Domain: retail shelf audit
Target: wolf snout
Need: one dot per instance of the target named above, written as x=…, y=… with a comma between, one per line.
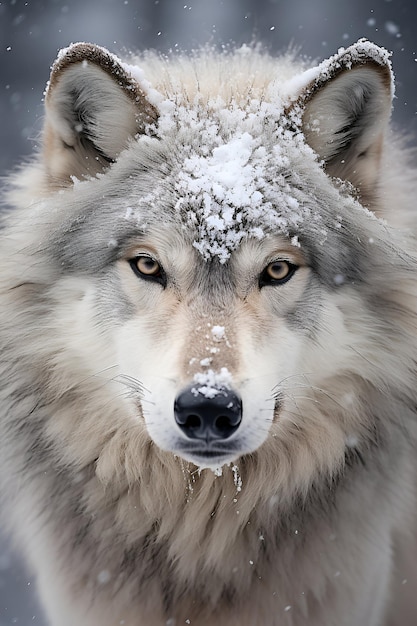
x=207, y=418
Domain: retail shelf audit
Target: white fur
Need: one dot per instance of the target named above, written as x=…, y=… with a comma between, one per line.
x=303, y=521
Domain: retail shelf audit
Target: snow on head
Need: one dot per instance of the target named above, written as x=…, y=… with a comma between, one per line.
x=235, y=185
x=307, y=81
x=237, y=154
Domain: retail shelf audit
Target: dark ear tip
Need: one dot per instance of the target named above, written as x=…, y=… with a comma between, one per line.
x=345, y=113
x=81, y=52
x=360, y=54
x=77, y=53
x=88, y=83
x=88, y=53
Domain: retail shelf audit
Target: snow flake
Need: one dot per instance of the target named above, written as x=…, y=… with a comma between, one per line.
x=392, y=28
x=352, y=441
x=218, y=333
x=338, y=279
x=237, y=478
x=103, y=577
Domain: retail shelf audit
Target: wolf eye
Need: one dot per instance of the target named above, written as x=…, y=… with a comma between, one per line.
x=148, y=268
x=277, y=273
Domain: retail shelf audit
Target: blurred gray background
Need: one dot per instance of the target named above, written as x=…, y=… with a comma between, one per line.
x=32, y=31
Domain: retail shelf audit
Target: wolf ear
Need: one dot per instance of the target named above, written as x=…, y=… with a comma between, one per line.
x=346, y=114
x=93, y=107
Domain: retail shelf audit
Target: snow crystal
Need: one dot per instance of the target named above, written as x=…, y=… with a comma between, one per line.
x=351, y=441
x=294, y=86
x=211, y=383
x=103, y=577
x=392, y=28
x=217, y=332
x=206, y=390
x=338, y=279
x=237, y=478
x=153, y=96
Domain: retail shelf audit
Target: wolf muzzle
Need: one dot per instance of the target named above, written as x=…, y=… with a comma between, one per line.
x=208, y=419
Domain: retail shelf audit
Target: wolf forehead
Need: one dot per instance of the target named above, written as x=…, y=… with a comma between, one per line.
x=235, y=165
x=226, y=173
x=212, y=190
x=234, y=178
x=160, y=194
x=224, y=191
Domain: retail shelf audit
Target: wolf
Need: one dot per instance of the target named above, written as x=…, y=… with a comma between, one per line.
x=208, y=341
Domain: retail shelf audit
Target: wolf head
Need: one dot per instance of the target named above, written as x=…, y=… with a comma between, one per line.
x=214, y=242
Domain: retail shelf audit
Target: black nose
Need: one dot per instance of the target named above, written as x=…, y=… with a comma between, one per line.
x=205, y=418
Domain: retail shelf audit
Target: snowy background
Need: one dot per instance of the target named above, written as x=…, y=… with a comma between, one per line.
x=31, y=32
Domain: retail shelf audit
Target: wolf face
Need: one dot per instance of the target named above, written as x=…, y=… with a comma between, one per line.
x=214, y=241
x=210, y=378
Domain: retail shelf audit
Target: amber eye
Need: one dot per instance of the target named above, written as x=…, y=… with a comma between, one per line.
x=148, y=268
x=277, y=273
x=147, y=265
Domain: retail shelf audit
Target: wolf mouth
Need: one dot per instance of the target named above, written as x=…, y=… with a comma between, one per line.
x=211, y=456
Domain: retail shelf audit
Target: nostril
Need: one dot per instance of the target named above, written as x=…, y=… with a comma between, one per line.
x=223, y=423
x=192, y=422
x=205, y=418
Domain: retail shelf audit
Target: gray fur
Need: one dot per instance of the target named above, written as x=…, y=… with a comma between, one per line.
x=298, y=519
